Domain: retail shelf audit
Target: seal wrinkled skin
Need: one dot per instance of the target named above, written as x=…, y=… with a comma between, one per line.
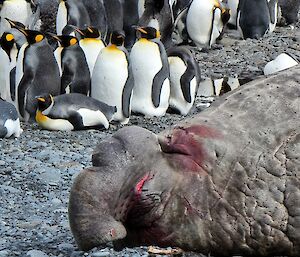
x=224, y=182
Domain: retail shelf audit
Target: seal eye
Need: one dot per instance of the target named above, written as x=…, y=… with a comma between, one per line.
x=39, y=38
x=9, y=37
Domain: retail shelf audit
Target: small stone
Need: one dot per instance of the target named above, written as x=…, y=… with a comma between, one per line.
x=66, y=247
x=2, y=163
x=100, y=254
x=4, y=253
x=36, y=253
x=56, y=201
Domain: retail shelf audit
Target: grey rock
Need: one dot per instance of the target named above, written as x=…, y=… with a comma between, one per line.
x=36, y=253
x=4, y=253
x=101, y=254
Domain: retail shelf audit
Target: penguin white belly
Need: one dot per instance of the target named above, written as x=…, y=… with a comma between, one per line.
x=57, y=55
x=141, y=7
x=217, y=27
x=146, y=63
x=177, y=100
x=16, y=10
x=199, y=21
x=61, y=17
x=13, y=128
x=281, y=62
x=233, y=5
x=93, y=118
x=273, y=25
x=4, y=76
x=53, y=124
x=91, y=49
x=109, y=78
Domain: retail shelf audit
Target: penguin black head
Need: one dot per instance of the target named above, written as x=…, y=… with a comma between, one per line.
x=89, y=32
x=7, y=41
x=32, y=36
x=44, y=102
x=117, y=38
x=148, y=32
x=65, y=40
x=15, y=24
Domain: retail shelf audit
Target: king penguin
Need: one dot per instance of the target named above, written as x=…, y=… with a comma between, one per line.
x=8, y=56
x=184, y=77
x=24, y=11
x=37, y=72
x=91, y=43
x=74, y=70
x=71, y=12
x=205, y=21
x=150, y=67
x=9, y=120
x=256, y=18
x=112, y=79
x=72, y=112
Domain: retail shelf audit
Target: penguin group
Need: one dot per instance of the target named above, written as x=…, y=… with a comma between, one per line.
x=112, y=58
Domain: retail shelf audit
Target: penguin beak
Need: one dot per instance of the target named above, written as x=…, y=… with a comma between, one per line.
x=56, y=37
x=41, y=99
x=77, y=29
x=142, y=30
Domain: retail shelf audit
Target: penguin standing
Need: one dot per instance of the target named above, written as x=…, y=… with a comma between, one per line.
x=115, y=15
x=205, y=21
x=112, y=79
x=233, y=6
x=9, y=120
x=158, y=14
x=184, y=78
x=72, y=112
x=24, y=11
x=256, y=18
x=71, y=12
x=97, y=14
x=289, y=10
x=150, y=67
x=74, y=70
x=8, y=57
x=37, y=72
x=91, y=44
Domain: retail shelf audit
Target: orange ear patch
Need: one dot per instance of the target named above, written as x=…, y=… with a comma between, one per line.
x=73, y=41
x=39, y=38
x=9, y=37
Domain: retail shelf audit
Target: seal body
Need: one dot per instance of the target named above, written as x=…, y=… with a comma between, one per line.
x=198, y=184
x=151, y=79
x=184, y=79
x=72, y=112
x=9, y=120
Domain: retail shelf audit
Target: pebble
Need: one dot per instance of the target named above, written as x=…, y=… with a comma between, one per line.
x=100, y=254
x=4, y=253
x=36, y=253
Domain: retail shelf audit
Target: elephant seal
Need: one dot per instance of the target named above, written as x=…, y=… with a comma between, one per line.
x=224, y=182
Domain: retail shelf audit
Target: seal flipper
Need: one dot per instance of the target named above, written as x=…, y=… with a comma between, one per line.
x=161, y=76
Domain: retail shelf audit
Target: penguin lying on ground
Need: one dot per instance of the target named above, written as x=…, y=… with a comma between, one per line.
x=184, y=79
x=112, y=79
x=75, y=74
x=72, y=112
x=150, y=67
x=9, y=120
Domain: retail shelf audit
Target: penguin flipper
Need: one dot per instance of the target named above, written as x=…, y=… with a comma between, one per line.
x=66, y=81
x=12, y=82
x=76, y=120
x=3, y=131
x=272, y=6
x=22, y=88
x=161, y=76
x=127, y=90
x=185, y=81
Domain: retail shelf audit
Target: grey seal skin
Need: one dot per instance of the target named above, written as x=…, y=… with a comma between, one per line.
x=224, y=182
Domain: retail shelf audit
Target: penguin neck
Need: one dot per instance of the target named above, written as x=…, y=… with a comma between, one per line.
x=112, y=47
x=40, y=117
x=144, y=40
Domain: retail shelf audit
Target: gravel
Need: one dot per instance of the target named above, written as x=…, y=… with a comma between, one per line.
x=37, y=169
